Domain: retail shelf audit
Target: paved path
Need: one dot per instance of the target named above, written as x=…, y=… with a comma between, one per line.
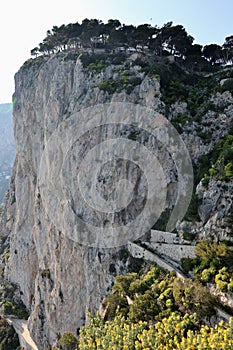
x=21, y=329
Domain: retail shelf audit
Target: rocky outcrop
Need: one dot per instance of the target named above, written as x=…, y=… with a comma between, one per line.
x=215, y=208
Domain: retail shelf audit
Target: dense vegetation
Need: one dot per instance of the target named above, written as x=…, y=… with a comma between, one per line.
x=8, y=338
x=9, y=304
x=174, y=332
x=212, y=265
x=222, y=160
x=156, y=310
x=154, y=295
x=169, y=39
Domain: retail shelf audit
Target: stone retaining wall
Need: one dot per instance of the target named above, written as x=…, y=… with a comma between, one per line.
x=163, y=237
x=139, y=252
x=174, y=251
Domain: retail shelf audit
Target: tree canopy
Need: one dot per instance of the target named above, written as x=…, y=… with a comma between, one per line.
x=168, y=40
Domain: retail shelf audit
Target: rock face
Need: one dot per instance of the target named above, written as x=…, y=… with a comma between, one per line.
x=7, y=148
x=215, y=210
x=59, y=278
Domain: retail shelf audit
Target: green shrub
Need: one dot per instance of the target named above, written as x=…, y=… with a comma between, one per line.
x=210, y=251
x=8, y=337
x=192, y=212
x=221, y=286
x=125, y=82
x=212, y=172
x=208, y=274
x=189, y=264
x=155, y=295
x=68, y=341
x=173, y=333
x=188, y=236
x=229, y=170
x=97, y=67
x=93, y=59
x=222, y=159
x=17, y=309
x=230, y=285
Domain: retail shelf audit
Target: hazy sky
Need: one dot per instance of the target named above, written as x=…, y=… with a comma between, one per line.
x=24, y=23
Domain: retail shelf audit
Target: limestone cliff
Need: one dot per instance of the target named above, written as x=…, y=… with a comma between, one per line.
x=60, y=279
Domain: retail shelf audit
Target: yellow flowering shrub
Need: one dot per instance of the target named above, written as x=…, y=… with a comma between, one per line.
x=116, y=334
x=173, y=333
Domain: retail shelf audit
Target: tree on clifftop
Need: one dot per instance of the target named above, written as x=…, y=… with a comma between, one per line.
x=228, y=49
x=213, y=53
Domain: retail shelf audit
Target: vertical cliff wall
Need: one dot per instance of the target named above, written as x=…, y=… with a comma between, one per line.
x=59, y=279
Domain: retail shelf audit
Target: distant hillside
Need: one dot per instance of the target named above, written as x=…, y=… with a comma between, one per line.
x=7, y=147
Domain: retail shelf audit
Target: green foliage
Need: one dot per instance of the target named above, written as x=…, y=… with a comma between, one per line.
x=218, y=164
x=118, y=58
x=191, y=296
x=202, y=168
x=8, y=337
x=189, y=264
x=97, y=67
x=214, y=264
x=171, y=333
x=161, y=223
x=122, y=284
x=180, y=121
x=177, y=91
x=8, y=303
x=144, y=308
x=126, y=82
x=109, y=86
x=222, y=159
x=17, y=309
x=188, y=236
x=222, y=279
x=229, y=170
x=162, y=69
x=197, y=95
x=68, y=341
x=152, y=296
x=96, y=62
x=208, y=250
x=154, y=310
x=170, y=39
x=116, y=334
x=222, y=285
x=35, y=63
x=7, y=291
x=208, y=274
x=192, y=212
x=91, y=61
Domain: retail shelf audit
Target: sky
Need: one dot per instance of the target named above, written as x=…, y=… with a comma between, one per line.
x=24, y=23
